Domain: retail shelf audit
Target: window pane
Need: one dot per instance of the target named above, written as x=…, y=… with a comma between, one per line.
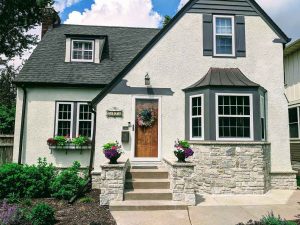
x=224, y=25
x=88, y=55
x=234, y=127
x=293, y=115
x=77, y=54
x=294, y=130
x=196, y=106
x=64, y=128
x=196, y=127
x=85, y=112
x=85, y=128
x=64, y=111
x=82, y=50
x=224, y=45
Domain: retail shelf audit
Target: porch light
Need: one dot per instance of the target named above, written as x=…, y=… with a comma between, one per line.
x=147, y=80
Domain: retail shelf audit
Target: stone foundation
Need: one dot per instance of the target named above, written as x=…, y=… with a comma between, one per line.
x=283, y=181
x=181, y=178
x=231, y=168
x=111, y=182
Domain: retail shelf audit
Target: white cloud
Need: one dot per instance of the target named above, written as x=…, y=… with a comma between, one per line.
x=275, y=6
x=60, y=5
x=181, y=4
x=133, y=13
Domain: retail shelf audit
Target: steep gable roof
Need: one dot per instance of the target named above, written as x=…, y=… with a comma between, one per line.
x=47, y=65
x=188, y=6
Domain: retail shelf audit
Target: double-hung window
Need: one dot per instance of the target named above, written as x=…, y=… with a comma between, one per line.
x=71, y=122
x=294, y=122
x=224, y=35
x=234, y=117
x=84, y=120
x=64, y=119
x=196, y=117
x=83, y=51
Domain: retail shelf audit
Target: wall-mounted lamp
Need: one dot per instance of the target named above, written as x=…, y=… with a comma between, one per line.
x=147, y=80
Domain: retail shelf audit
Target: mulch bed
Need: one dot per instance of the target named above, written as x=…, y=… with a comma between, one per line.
x=90, y=213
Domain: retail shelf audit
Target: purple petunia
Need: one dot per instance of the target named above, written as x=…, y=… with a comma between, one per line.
x=109, y=154
x=188, y=152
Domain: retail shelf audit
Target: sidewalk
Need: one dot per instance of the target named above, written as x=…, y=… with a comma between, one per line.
x=220, y=210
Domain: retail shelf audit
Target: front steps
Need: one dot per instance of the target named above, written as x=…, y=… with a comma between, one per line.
x=147, y=188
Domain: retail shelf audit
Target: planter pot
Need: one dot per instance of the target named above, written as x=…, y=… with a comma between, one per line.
x=180, y=156
x=114, y=160
x=112, y=155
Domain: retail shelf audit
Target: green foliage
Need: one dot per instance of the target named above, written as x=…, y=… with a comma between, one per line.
x=18, y=17
x=67, y=183
x=7, y=119
x=184, y=143
x=61, y=140
x=80, y=141
x=270, y=219
x=42, y=214
x=298, y=181
x=109, y=145
x=167, y=19
x=17, y=181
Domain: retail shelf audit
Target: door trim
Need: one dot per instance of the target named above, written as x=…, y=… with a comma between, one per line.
x=132, y=154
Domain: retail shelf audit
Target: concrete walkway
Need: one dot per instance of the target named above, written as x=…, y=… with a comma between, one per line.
x=219, y=210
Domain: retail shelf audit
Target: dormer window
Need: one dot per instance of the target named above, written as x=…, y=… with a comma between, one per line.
x=82, y=50
x=224, y=44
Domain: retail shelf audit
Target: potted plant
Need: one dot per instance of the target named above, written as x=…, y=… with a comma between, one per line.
x=182, y=150
x=58, y=141
x=112, y=151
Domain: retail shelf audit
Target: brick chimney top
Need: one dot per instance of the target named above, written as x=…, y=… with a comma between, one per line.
x=50, y=19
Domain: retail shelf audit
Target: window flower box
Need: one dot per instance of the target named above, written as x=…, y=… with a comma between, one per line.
x=64, y=143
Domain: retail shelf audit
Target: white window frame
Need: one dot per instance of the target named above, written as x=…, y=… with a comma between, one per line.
x=57, y=114
x=83, y=60
x=218, y=138
x=262, y=104
x=191, y=118
x=78, y=120
x=215, y=35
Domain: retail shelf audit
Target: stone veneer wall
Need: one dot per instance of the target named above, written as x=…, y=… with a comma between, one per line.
x=231, y=168
x=283, y=181
x=110, y=181
x=181, y=179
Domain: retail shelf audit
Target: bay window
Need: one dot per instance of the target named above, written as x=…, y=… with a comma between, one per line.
x=234, y=117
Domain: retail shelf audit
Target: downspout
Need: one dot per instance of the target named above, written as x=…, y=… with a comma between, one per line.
x=91, y=166
x=22, y=125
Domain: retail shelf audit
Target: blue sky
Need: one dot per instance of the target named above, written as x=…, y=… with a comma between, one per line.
x=150, y=12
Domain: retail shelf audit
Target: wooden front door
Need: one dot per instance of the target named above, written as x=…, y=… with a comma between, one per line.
x=146, y=138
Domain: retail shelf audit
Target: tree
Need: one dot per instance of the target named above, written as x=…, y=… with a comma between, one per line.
x=166, y=20
x=17, y=17
x=7, y=99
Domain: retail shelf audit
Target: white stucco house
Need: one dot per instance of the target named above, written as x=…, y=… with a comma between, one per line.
x=214, y=76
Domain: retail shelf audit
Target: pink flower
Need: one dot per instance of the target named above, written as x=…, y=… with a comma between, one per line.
x=114, y=148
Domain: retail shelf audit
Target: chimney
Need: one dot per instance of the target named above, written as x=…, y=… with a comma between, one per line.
x=50, y=18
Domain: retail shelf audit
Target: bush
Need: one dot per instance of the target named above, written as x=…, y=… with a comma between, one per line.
x=7, y=119
x=17, y=181
x=67, y=183
x=298, y=181
x=42, y=214
x=270, y=219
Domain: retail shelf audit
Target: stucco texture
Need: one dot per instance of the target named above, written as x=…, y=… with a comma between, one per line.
x=177, y=61
x=39, y=125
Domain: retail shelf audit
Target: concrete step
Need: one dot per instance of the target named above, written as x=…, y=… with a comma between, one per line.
x=146, y=205
x=147, y=184
x=148, y=194
x=147, y=174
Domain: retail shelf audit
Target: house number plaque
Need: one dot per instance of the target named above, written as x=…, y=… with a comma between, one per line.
x=114, y=113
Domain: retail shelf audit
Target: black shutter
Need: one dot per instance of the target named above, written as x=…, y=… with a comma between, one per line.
x=240, y=36
x=207, y=35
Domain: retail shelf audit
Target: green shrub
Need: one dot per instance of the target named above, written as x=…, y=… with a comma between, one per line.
x=86, y=200
x=17, y=181
x=298, y=181
x=7, y=119
x=42, y=214
x=270, y=219
x=67, y=183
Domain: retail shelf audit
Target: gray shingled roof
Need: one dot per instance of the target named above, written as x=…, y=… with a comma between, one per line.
x=223, y=77
x=47, y=63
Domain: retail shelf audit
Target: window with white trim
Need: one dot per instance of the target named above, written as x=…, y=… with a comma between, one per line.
x=234, y=117
x=83, y=50
x=64, y=119
x=84, y=120
x=294, y=122
x=224, y=35
x=196, y=117
x=262, y=117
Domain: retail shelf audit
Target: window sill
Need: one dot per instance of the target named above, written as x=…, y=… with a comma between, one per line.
x=70, y=147
x=230, y=142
